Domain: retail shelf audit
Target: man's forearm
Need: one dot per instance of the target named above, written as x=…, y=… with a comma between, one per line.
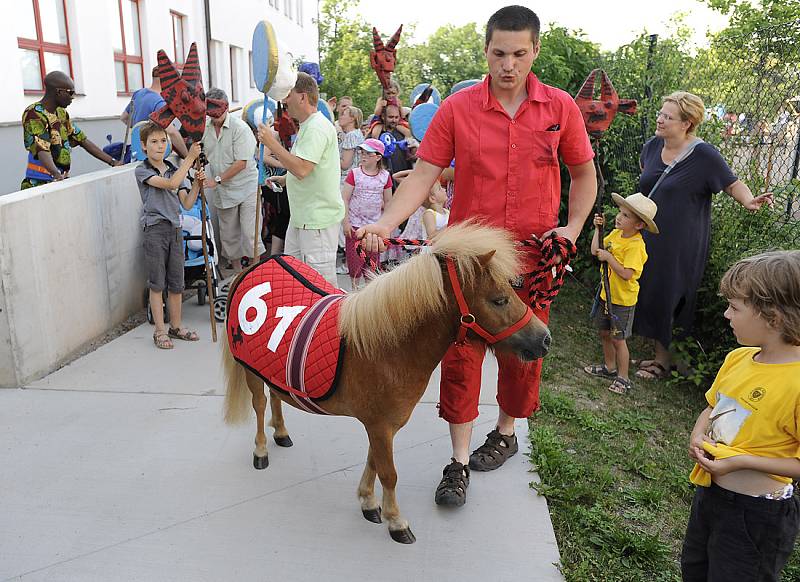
x=46, y=158
x=90, y=147
x=409, y=196
x=582, y=196
x=294, y=165
x=233, y=169
x=177, y=141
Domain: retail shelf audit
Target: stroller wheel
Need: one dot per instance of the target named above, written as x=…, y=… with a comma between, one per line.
x=202, y=293
x=220, y=308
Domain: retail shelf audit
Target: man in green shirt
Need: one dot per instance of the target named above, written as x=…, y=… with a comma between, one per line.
x=49, y=135
x=312, y=180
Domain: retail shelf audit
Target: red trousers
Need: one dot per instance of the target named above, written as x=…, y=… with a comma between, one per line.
x=460, y=387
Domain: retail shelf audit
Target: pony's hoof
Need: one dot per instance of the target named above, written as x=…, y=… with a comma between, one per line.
x=373, y=515
x=261, y=462
x=403, y=536
x=283, y=441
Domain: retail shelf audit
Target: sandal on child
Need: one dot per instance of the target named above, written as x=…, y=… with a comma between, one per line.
x=600, y=370
x=620, y=385
x=162, y=341
x=184, y=334
x=655, y=371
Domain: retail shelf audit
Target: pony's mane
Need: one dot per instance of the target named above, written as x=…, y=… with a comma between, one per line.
x=385, y=311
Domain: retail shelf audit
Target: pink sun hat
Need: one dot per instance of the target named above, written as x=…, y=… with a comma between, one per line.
x=373, y=145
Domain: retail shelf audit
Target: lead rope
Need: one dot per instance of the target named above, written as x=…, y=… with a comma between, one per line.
x=556, y=253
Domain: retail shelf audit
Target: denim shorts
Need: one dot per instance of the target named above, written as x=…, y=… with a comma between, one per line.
x=163, y=256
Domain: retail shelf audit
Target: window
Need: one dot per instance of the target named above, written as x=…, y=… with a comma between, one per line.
x=250, y=62
x=274, y=4
x=300, y=13
x=43, y=43
x=234, y=75
x=287, y=8
x=177, y=38
x=126, y=39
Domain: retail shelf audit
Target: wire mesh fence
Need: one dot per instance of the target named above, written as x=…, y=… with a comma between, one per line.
x=751, y=89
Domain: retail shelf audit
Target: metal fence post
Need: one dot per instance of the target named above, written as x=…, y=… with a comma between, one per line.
x=648, y=89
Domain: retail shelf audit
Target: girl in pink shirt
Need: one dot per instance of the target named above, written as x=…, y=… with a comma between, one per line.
x=366, y=190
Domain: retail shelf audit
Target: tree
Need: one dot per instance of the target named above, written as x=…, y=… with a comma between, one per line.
x=565, y=59
x=450, y=55
x=345, y=40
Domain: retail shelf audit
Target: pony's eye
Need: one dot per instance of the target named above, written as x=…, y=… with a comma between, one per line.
x=500, y=301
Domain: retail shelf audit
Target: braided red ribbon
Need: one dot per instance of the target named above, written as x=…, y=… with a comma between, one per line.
x=556, y=253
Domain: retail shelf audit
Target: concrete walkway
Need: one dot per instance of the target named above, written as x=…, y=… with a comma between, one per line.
x=118, y=467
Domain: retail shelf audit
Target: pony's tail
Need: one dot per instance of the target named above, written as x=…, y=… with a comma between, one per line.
x=237, y=394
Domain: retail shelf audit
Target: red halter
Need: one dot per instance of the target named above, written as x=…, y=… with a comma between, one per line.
x=468, y=320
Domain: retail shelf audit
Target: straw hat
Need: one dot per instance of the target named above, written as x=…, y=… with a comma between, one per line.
x=641, y=206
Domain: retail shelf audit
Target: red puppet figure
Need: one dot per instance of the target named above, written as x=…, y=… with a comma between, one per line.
x=384, y=58
x=185, y=97
x=598, y=115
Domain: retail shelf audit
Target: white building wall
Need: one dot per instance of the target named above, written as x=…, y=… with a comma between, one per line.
x=96, y=105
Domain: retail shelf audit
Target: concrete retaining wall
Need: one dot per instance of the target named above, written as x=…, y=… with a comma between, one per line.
x=71, y=268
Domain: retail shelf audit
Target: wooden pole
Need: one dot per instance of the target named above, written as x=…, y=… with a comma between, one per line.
x=601, y=190
x=208, y=264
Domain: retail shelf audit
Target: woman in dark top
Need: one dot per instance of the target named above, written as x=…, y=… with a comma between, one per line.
x=677, y=257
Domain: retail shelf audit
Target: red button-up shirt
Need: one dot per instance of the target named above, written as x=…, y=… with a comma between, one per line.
x=507, y=171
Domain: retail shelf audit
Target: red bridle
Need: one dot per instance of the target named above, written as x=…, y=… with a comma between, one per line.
x=468, y=320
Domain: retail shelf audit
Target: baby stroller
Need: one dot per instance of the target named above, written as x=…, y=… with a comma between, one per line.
x=194, y=268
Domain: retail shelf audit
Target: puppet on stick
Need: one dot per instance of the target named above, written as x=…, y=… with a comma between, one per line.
x=597, y=116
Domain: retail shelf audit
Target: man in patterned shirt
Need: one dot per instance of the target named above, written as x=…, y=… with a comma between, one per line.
x=49, y=135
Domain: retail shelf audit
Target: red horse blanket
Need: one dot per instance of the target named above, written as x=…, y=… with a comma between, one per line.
x=282, y=325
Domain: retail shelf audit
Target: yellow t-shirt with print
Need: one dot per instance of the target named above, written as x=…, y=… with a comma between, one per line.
x=755, y=411
x=631, y=254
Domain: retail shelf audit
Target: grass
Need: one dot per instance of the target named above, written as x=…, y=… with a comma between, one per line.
x=614, y=468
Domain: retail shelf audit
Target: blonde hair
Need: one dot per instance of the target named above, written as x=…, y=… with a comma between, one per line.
x=356, y=114
x=691, y=107
x=769, y=283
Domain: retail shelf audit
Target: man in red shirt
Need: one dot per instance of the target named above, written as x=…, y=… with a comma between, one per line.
x=506, y=135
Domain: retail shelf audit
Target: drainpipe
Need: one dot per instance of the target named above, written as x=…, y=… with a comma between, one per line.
x=207, y=7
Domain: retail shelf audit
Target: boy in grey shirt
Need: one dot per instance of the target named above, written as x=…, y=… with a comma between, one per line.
x=163, y=187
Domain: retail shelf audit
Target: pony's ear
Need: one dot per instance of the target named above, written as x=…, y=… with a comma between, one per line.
x=485, y=258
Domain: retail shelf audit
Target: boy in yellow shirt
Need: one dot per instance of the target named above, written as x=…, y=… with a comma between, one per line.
x=746, y=443
x=624, y=251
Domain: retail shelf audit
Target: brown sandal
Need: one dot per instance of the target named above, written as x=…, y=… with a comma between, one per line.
x=452, y=489
x=184, y=334
x=620, y=386
x=162, y=341
x=655, y=371
x=494, y=452
x=600, y=370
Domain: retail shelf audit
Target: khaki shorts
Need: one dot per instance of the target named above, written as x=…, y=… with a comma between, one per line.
x=316, y=248
x=163, y=256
